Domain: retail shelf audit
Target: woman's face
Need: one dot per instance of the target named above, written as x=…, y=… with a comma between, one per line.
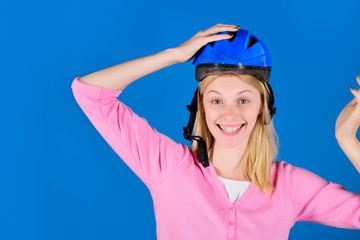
x=233, y=105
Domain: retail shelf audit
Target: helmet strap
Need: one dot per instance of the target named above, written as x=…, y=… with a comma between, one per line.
x=202, y=149
x=271, y=101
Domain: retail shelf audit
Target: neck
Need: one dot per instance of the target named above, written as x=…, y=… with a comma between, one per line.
x=225, y=161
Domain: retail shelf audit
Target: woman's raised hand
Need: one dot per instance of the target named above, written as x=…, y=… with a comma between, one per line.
x=348, y=120
x=187, y=50
x=346, y=126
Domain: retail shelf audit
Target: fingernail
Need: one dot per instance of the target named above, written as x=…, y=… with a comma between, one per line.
x=237, y=27
x=358, y=76
x=352, y=88
x=231, y=34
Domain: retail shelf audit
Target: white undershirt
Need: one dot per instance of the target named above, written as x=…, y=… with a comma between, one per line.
x=234, y=188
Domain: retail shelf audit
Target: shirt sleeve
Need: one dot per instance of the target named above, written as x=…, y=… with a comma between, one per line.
x=148, y=153
x=319, y=201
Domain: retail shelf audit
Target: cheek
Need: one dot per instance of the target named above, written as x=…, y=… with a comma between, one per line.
x=210, y=117
x=253, y=114
x=210, y=113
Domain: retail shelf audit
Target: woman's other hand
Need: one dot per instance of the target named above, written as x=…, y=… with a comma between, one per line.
x=348, y=120
x=346, y=127
x=187, y=50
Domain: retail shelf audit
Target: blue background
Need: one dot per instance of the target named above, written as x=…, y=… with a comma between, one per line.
x=59, y=179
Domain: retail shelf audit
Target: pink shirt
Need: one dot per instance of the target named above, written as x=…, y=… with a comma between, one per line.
x=190, y=201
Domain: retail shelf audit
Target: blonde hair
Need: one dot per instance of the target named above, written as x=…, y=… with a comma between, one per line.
x=262, y=148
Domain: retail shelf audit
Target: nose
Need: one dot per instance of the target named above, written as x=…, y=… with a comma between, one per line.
x=229, y=113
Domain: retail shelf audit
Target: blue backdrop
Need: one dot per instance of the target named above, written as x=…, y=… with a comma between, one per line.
x=59, y=179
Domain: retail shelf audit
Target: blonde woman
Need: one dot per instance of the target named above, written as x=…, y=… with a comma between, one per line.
x=228, y=184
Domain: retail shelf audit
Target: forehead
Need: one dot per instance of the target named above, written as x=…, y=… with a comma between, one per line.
x=229, y=84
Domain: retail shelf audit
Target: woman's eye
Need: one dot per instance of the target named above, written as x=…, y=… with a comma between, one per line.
x=215, y=101
x=242, y=100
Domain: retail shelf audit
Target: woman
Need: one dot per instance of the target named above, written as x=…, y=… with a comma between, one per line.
x=227, y=186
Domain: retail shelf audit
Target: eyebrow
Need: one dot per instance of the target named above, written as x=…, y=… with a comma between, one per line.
x=237, y=93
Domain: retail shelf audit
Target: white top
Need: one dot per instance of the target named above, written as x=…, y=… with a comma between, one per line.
x=234, y=188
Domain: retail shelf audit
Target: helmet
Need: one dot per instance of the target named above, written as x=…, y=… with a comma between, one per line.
x=242, y=53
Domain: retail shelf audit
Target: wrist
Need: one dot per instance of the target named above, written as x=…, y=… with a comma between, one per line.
x=173, y=55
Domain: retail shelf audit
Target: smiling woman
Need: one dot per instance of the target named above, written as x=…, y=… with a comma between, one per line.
x=242, y=192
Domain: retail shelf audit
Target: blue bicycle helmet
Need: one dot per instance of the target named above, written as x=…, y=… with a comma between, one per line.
x=242, y=53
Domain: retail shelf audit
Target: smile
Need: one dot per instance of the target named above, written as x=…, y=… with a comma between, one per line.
x=230, y=130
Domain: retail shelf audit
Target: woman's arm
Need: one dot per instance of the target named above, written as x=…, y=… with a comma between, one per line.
x=118, y=77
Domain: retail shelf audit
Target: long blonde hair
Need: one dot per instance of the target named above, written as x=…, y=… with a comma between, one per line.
x=262, y=148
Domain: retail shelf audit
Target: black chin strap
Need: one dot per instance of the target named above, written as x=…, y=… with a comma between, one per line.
x=202, y=149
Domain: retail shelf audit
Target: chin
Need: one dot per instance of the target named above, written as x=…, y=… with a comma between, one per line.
x=228, y=143
x=232, y=144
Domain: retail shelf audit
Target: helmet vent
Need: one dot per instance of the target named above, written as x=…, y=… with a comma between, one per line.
x=233, y=37
x=252, y=41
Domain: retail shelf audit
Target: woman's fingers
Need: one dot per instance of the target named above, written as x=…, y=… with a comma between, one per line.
x=202, y=41
x=216, y=37
x=188, y=49
x=218, y=28
x=355, y=92
x=356, y=95
x=209, y=35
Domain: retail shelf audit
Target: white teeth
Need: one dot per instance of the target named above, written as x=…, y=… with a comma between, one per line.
x=230, y=129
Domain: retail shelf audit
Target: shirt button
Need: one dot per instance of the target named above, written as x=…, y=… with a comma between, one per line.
x=231, y=223
x=231, y=208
